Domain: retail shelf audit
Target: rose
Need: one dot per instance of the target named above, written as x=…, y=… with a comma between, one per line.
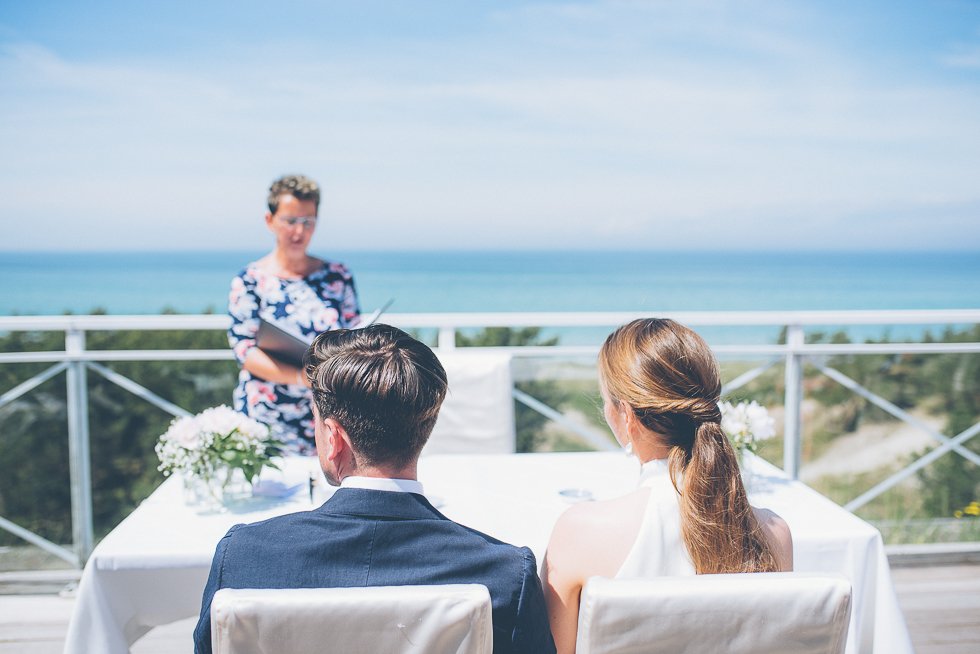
x=761, y=425
x=185, y=433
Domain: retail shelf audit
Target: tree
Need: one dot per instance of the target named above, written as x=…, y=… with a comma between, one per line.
x=34, y=479
x=951, y=482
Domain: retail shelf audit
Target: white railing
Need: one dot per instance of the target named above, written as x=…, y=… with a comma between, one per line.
x=76, y=360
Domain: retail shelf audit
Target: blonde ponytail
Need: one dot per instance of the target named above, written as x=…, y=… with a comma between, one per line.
x=667, y=374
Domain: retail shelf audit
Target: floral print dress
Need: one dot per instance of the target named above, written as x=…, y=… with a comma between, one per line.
x=324, y=299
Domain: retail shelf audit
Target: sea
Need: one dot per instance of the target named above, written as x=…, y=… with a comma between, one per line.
x=50, y=283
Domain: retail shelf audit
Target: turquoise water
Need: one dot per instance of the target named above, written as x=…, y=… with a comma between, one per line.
x=193, y=282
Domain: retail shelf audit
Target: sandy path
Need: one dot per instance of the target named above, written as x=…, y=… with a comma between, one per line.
x=873, y=446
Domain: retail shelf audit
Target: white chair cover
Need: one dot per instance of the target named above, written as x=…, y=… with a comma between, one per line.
x=478, y=414
x=789, y=613
x=452, y=619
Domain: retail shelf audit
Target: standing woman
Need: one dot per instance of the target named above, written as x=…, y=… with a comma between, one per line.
x=298, y=292
x=690, y=515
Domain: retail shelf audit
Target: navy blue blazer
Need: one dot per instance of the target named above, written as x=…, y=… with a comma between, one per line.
x=365, y=537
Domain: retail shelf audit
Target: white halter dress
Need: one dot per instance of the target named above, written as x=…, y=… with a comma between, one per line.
x=659, y=549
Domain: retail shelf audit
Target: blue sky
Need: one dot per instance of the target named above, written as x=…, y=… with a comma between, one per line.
x=662, y=125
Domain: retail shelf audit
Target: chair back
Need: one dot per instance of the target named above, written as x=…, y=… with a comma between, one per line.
x=759, y=613
x=452, y=619
x=477, y=416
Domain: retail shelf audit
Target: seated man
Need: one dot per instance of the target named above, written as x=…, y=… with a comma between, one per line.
x=377, y=393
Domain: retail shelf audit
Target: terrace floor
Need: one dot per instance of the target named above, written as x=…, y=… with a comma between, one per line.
x=941, y=605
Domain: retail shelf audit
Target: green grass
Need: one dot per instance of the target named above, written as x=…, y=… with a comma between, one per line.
x=935, y=530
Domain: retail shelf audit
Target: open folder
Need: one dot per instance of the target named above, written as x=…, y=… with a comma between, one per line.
x=289, y=346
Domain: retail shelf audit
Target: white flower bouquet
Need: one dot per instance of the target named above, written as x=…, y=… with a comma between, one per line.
x=745, y=424
x=215, y=443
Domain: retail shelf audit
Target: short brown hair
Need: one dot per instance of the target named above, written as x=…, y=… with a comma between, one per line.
x=383, y=386
x=300, y=187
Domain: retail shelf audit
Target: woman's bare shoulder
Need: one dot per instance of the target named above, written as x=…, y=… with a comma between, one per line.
x=603, y=512
x=779, y=536
x=597, y=535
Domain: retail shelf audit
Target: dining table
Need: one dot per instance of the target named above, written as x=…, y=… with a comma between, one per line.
x=151, y=569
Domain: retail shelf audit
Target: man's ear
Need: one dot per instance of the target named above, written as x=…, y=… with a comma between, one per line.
x=268, y=219
x=338, y=442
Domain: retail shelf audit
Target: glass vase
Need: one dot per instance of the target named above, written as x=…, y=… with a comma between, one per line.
x=745, y=467
x=199, y=492
x=216, y=489
x=232, y=486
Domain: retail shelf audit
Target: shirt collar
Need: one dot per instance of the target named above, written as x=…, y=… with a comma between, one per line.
x=383, y=484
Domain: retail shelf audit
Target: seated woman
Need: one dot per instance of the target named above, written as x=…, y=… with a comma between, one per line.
x=690, y=515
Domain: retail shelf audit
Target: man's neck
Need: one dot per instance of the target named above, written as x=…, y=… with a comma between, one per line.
x=409, y=471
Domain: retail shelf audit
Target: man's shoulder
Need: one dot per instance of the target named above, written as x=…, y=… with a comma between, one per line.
x=271, y=529
x=354, y=515
x=493, y=544
x=518, y=560
x=354, y=507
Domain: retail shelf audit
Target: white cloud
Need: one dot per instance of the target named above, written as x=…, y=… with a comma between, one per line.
x=967, y=57
x=548, y=130
x=964, y=54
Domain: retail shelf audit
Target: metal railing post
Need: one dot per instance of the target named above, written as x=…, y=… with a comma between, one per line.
x=79, y=458
x=447, y=338
x=792, y=430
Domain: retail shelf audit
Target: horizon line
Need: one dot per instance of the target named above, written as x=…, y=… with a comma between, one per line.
x=528, y=250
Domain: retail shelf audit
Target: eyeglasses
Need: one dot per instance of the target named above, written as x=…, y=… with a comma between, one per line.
x=305, y=221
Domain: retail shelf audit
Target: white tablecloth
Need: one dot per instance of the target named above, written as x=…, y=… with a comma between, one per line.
x=152, y=568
